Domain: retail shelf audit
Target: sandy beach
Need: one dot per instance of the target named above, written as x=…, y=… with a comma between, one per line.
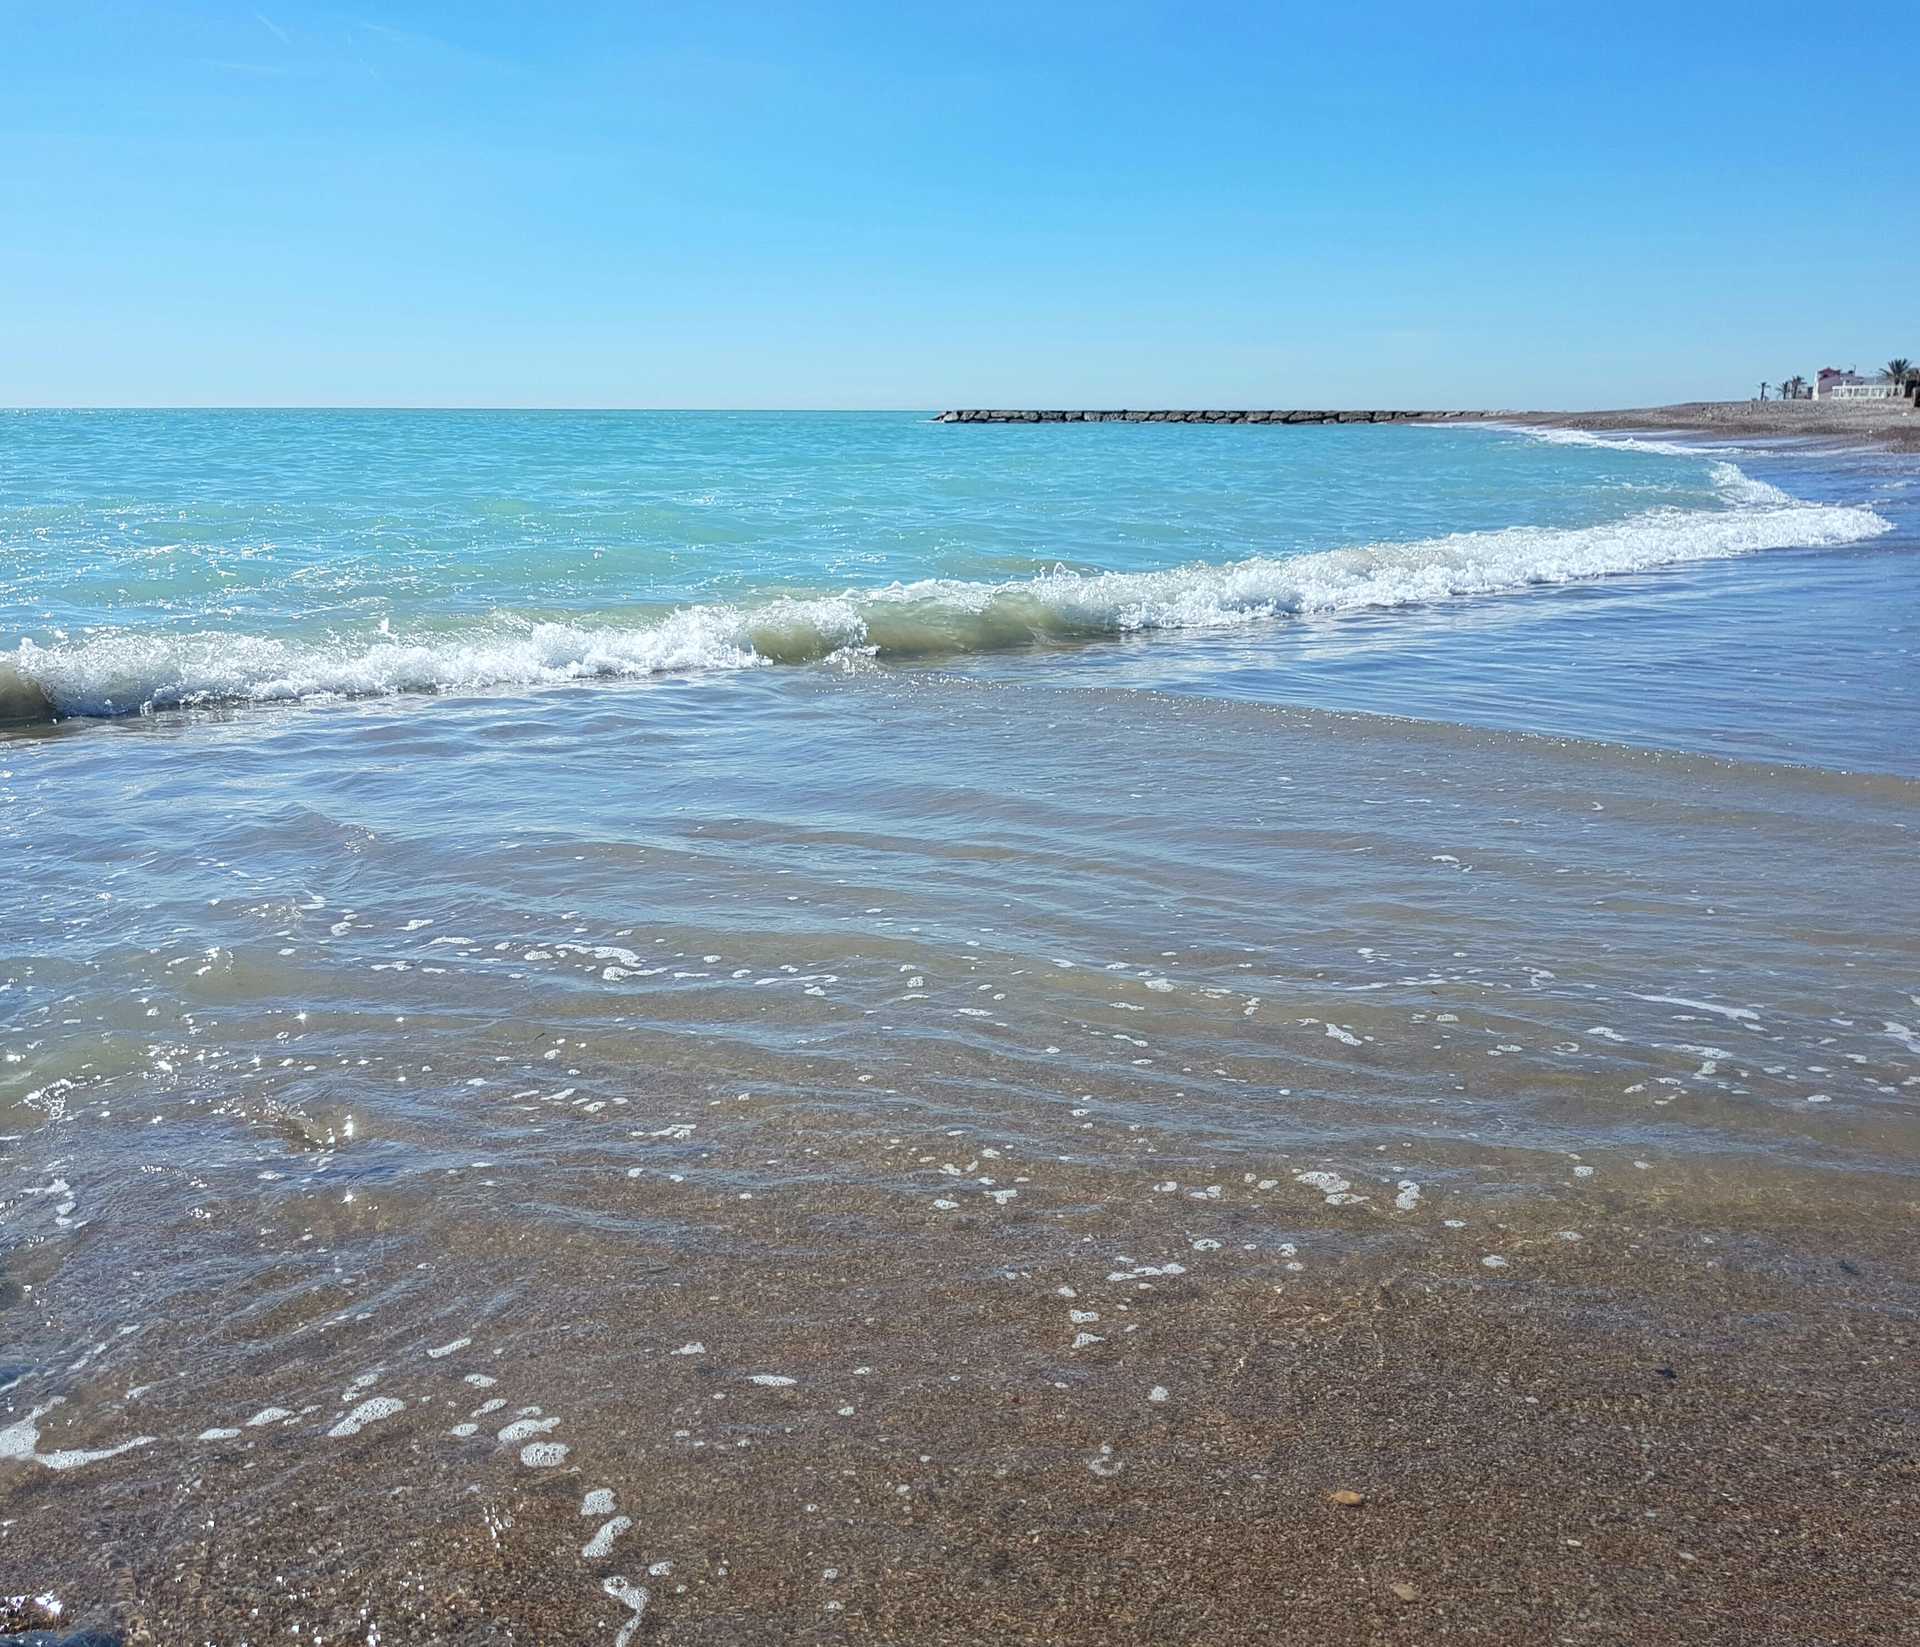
x=1891, y=425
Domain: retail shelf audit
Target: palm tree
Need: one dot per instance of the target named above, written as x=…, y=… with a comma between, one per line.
x=1763, y=391
x=1793, y=387
x=1899, y=369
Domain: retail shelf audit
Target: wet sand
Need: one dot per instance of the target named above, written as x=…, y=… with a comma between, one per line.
x=839, y=1234
x=888, y=1434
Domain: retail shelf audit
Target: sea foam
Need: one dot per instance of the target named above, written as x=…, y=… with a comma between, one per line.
x=129, y=671
x=1609, y=442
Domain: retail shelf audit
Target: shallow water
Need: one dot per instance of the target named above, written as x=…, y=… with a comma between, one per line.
x=365, y=1052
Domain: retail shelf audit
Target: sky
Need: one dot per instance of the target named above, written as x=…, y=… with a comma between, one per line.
x=1382, y=203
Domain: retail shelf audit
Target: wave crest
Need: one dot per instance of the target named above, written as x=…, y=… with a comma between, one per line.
x=134, y=671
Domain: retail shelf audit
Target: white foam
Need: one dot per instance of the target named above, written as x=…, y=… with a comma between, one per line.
x=632, y=1596
x=370, y=1411
x=128, y=671
x=601, y=1544
x=1738, y=1014
x=1614, y=443
x=21, y=1440
x=1336, y=1189
x=1142, y=1270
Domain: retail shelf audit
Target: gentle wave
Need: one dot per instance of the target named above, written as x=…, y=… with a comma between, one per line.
x=1612, y=443
x=131, y=671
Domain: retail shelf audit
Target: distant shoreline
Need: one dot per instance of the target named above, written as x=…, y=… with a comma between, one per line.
x=1892, y=425
x=1215, y=415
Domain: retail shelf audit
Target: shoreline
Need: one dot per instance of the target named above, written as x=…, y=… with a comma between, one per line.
x=999, y=1334
x=1886, y=425
x=1892, y=426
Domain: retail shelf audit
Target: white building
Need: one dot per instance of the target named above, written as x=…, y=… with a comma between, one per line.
x=1834, y=384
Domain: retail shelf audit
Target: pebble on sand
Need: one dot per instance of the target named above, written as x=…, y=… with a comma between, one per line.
x=1347, y=1496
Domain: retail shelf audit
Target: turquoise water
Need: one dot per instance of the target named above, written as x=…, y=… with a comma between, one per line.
x=548, y=959
x=155, y=560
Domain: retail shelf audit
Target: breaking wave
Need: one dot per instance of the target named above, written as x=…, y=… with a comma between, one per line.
x=1612, y=443
x=131, y=671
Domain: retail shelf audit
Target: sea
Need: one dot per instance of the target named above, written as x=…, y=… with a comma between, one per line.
x=541, y=949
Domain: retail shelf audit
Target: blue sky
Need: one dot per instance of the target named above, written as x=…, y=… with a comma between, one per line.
x=1527, y=204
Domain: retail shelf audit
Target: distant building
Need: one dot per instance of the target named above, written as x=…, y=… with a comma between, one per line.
x=1834, y=384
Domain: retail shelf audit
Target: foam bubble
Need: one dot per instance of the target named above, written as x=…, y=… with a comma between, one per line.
x=632, y=1596
x=601, y=1544
x=370, y=1411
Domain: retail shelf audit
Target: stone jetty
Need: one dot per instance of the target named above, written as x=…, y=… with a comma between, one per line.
x=979, y=416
